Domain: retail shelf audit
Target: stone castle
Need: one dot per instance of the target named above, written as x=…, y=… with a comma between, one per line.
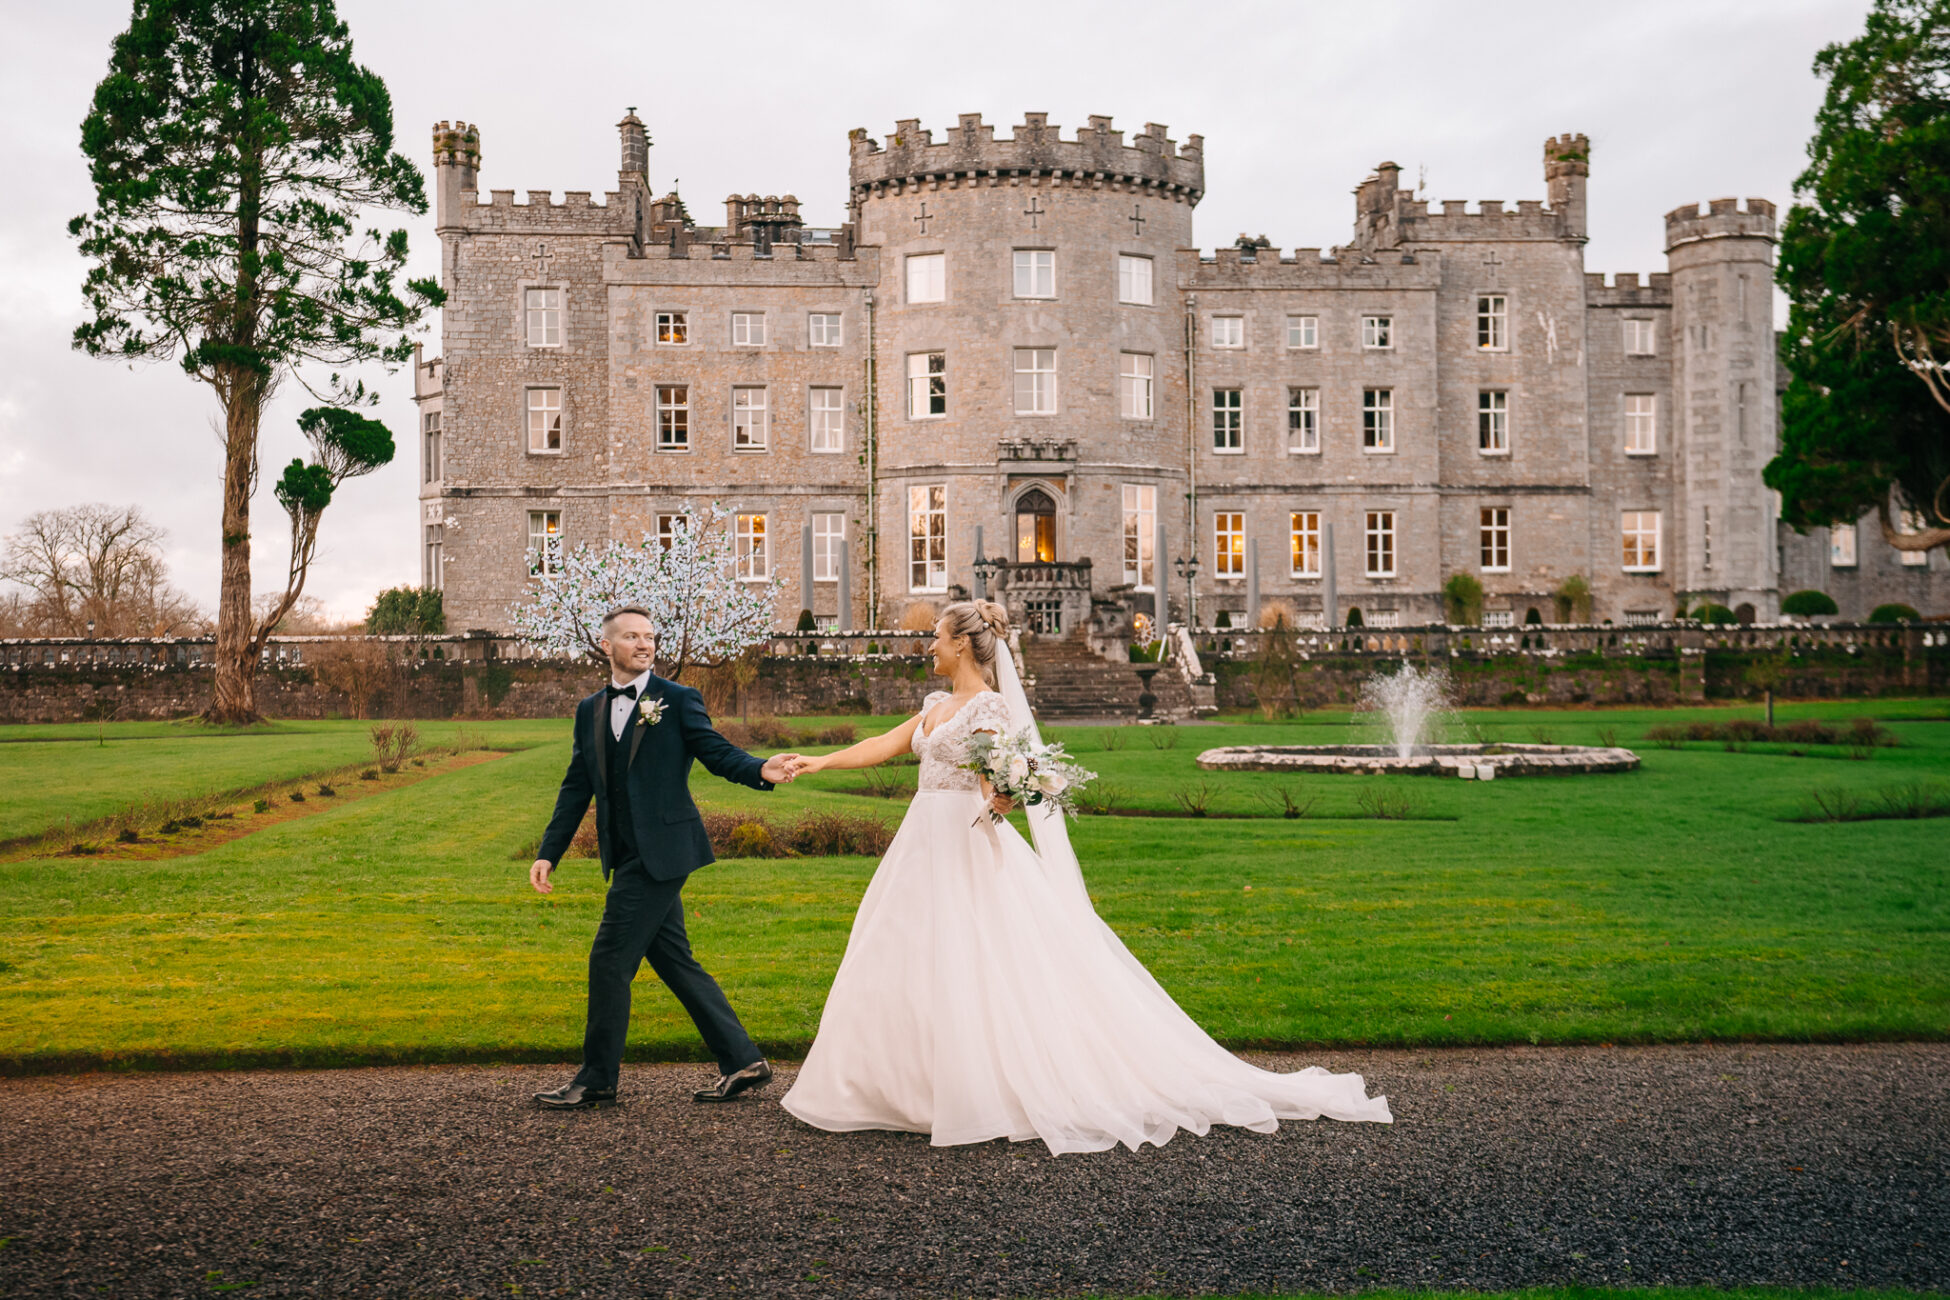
x=1012, y=350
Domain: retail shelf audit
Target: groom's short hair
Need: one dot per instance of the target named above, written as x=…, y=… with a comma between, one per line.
x=621, y=610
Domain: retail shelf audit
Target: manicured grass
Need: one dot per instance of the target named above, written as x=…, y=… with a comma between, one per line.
x=1665, y=904
x=1596, y=1293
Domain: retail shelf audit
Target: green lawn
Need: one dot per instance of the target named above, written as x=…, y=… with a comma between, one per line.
x=1671, y=903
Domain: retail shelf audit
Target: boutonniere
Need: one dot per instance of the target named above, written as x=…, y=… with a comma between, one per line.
x=649, y=712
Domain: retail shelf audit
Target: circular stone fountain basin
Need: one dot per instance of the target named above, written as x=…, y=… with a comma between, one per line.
x=1427, y=760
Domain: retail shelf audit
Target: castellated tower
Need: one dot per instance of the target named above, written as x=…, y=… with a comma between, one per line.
x=1722, y=542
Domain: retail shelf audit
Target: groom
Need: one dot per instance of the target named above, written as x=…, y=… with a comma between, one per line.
x=634, y=742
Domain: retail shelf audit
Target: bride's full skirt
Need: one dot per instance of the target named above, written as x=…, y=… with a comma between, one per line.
x=977, y=1000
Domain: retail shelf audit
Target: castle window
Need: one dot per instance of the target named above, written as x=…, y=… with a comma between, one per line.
x=1134, y=280
x=1228, y=419
x=927, y=384
x=673, y=417
x=748, y=329
x=430, y=422
x=1035, y=528
x=1035, y=381
x=1641, y=425
x=1229, y=544
x=1140, y=536
x=829, y=545
x=827, y=419
x=1639, y=338
x=544, y=420
x=673, y=328
x=1380, y=535
x=927, y=277
x=1377, y=419
x=1640, y=529
x=1303, y=331
x=544, y=317
x=1035, y=273
x=1493, y=538
x=1303, y=421
x=1493, y=423
x=1134, y=386
x=1493, y=322
x=544, y=542
x=1841, y=546
x=431, y=575
x=1706, y=536
x=823, y=329
x=668, y=526
x=1912, y=522
x=749, y=428
x=1377, y=331
x=1306, y=543
x=1228, y=331
x=754, y=555
x=927, y=538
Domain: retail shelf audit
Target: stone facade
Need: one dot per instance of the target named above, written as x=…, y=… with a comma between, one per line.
x=1016, y=339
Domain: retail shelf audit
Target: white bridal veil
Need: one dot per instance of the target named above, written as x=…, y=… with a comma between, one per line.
x=1046, y=825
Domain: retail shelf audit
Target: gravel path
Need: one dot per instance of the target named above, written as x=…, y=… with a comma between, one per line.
x=1503, y=1168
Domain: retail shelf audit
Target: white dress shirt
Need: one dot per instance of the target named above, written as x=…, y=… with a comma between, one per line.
x=621, y=707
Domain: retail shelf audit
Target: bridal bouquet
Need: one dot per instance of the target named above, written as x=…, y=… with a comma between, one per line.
x=1027, y=771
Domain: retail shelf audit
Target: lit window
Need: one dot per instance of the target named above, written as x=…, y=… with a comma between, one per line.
x=754, y=557
x=1228, y=331
x=927, y=277
x=673, y=417
x=1378, y=419
x=1493, y=322
x=544, y=419
x=748, y=422
x=673, y=327
x=1306, y=543
x=1641, y=535
x=1493, y=423
x=544, y=317
x=1380, y=535
x=668, y=526
x=1493, y=537
x=1140, y=535
x=829, y=545
x=824, y=329
x=1303, y=331
x=1303, y=420
x=1134, y=280
x=927, y=538
x=1035, y=381
x=1912, y=522
x=1228, y=419
x=430, y=422
x=827, y=419
x=1841, y=546
x=544, y=541
x=748, y=329
x=1134, y=386
x=1639, y=338
x=1377, y=331
x=1228, y=544
x=1641, y=425
x=1035, y=273
x=927, y=384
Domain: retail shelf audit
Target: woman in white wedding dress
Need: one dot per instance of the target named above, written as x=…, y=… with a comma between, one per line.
x=982, y=997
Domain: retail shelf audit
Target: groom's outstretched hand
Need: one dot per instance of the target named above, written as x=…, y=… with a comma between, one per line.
x=780, y=768
x=538, y=876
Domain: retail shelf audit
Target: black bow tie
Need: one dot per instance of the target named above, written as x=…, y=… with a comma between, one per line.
x=615, y=691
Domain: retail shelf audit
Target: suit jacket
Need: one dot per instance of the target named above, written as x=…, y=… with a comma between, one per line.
x=669, y=831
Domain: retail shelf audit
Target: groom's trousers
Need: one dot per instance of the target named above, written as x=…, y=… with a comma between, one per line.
x=644, y=919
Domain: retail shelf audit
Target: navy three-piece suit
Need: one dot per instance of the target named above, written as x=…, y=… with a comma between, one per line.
x=651, y=839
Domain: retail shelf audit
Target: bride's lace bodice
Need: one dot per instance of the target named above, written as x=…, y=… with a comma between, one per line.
x=944, y=749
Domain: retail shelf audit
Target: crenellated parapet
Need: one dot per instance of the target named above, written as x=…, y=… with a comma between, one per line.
x=1626, y=289
x=1723, y=219
x=1307, y=268
x=971, y=155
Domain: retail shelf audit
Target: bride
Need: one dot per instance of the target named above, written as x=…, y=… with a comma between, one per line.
x=982, y=997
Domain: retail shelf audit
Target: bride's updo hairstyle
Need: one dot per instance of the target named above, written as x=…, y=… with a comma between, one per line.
x=986, y=625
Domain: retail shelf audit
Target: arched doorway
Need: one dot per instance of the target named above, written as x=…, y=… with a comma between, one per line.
x=1035, y=528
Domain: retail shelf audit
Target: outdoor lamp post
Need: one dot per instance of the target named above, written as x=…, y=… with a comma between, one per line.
x=1187, y=572
x=986, y=568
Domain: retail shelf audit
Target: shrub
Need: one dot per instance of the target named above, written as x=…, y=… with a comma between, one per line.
x=1718, y=615
x=326, y=791
x=751, y=840
x=1894, y=613
x=1806, y=731
x=1113, y=738
x=1385, y=804
x=772, y=733
x=407, y=611
x=1288, y=801
x=1354, y=616
x=1195, y=800
x=807, y=623
x=1830, y=804
x=1100, y=797
x=1462, y=597
x=370, y=774
x=1670, y=737
x=1608, y=737
x=1808, y=604
x=262, y=805
x=169, y=827
x=393, y=744
x=1914, y=799
x=1278, y=615
x=830, y=834
x=126, y=835
x=1165, y=737
x=1701, y=731
x=1866, y=734
x=1573, y=600
x=919, y=616
x=885, y=782
x=1745, y=731
x=1542, y=736
x=840, y=733
x=1224, y=619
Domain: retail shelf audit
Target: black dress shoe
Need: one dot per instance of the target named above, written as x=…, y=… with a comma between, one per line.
x=755, y=1075
x=574, y=1096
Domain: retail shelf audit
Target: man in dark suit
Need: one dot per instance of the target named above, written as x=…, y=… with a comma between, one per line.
x=634, y=742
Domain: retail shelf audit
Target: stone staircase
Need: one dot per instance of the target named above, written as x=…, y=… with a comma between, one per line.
x=1073, y=683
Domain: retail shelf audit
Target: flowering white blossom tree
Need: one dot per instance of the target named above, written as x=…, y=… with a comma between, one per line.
x=703, y=612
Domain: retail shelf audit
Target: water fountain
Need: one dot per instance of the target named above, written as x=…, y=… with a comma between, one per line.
x=1414, y=706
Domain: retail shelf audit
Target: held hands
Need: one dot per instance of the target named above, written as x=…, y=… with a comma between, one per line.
x=780, y=769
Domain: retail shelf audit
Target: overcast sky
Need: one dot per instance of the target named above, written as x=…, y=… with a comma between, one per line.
x=1683, y=100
